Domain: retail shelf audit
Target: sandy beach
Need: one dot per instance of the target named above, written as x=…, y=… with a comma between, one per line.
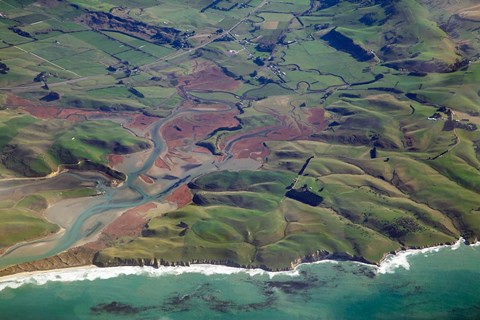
x=90, y=272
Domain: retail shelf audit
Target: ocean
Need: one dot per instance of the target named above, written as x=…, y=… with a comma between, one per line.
x=436, y=283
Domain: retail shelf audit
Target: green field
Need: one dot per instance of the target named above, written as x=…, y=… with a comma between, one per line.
x=22, y=217
x=33, y=147
x=365, y=114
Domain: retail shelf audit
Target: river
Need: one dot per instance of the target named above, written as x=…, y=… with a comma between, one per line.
x=440, y=283
x=88, y=217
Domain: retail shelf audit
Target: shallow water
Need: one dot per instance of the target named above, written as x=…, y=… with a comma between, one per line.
x=442, y=283
x=91, y=216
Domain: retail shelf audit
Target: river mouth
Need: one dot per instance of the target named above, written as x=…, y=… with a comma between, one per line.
x=81, y=220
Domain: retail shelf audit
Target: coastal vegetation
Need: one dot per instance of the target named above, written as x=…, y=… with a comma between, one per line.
x=283, y=131
x=34, y=147
x=22, y=216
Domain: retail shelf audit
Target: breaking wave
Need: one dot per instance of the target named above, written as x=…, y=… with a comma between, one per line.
x=391, y=263
x=92, y=273
x=400, y=259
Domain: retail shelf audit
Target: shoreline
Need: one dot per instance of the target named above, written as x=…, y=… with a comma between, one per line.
x=388, y=265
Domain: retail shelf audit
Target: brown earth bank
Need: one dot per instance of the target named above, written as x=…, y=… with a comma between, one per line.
x=146, y=179
x=181, y=196
x=196, y=126
x=16, y=101
x=74, y=257
x=43, y=112
x=250, y=144
x=134, y=120
x=85, y=255
x=129, y=224
x=115, y=159
x=209, y=77
x=318, y=255
x=160, y=163
x=183, y=132
x=141, y=122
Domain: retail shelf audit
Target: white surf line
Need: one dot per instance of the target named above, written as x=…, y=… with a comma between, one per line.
x=91, y=272
x=53, y=64
x=400, y=259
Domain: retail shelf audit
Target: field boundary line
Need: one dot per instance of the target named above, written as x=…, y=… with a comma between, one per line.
x=53, y=64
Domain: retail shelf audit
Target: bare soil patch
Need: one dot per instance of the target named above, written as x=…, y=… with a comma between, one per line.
x=209, y=78
x=141, y=122
x=114, y=160
x=129, y=224
x=146, y=179
x=43, y=112
x=195, y=127
x=249, y=145
x=181, y=196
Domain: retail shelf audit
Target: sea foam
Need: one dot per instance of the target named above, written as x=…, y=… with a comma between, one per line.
x=92, y=273
x=400, y=259
x=391, y=263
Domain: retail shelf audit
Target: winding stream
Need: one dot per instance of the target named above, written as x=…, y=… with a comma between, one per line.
x=112, y=202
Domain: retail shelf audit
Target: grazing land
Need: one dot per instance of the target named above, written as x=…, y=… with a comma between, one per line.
x=249, y=133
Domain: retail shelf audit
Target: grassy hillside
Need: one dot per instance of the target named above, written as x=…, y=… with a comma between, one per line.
x=21, y=217
x=362, y=116
x=34, y=147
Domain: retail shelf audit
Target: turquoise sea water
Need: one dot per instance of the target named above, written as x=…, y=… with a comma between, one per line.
x=430, y=284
